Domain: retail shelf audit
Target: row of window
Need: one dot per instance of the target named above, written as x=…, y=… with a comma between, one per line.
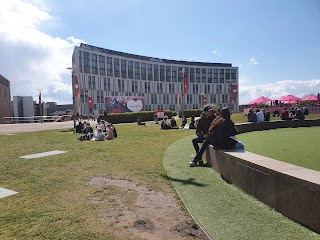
x=115, y=67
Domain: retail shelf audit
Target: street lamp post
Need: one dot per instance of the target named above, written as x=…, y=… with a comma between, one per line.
x=40, y=103
x=182, y=93
x=72, y=69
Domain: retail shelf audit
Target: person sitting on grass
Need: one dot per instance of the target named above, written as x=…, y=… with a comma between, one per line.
x=139, y=121
x=100, y=136
x=252, y=117
x=173, y=123
x=102, y=125
x=109, y=132
x=79, y=127
x=192, y=123
x=164, y=124
x=184, y=122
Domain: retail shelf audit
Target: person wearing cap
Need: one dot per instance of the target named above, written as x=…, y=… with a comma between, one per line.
x=202, y=136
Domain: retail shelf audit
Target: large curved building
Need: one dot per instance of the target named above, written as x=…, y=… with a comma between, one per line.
x=99, y=73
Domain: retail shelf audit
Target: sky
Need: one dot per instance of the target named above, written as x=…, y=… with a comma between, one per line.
x=275, y=43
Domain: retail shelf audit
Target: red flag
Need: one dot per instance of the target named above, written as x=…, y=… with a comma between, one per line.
x=234, y=91
x=90, y=102
x=204, y=100
x=178, y=98
x=185, y=85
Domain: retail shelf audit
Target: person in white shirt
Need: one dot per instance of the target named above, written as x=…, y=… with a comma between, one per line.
x=260, y=116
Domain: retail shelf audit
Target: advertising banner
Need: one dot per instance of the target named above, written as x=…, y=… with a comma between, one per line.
x=117, y=104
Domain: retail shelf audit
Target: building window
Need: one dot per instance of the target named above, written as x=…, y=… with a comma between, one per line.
x=221, y=75
x=104, y=84
x=228, y=74
x=93, y=82
x=168, y=73
x=197, y=75
x=109, y=67
x=192, y=78
x=80, y=61
x=123, y=68
x=204, y=75
x=174, y=74
x=162, y=73
x=102, y=64
x=234, y=74
x=136, y=70
x=130, y=69
x=143, y=71
x=156, y=72
x=94, y=62
x=86, y=58
x=89, y=82
x=149, y=71
x=116, y=67
x=215, y=75
x=209, y=75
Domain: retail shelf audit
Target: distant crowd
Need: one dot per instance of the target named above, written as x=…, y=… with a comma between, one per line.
x=260, y=115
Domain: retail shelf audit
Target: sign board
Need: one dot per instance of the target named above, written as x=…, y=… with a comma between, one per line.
x=117, y=104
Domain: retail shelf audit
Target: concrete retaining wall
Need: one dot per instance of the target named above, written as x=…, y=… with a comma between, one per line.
x=291, y=190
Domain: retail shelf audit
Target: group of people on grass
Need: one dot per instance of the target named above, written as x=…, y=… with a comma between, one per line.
x=284, y=114
x=214, y=127
x=173, y=123
x=104, y=130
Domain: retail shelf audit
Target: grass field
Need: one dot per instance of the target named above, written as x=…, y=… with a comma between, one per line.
x=297, y=146
x=53, y=191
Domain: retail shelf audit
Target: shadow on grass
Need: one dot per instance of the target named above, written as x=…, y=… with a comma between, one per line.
x=68, y=130
x=189, y=181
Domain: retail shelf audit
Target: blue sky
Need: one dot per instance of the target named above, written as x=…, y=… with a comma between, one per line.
x=275, y=43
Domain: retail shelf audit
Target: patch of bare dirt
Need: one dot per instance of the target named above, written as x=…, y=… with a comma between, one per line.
x=138, y=212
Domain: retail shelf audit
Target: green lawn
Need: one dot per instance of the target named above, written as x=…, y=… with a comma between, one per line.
x=298, y=146
x=52, y=202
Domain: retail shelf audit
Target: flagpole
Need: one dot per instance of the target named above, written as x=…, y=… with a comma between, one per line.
x=182, y=93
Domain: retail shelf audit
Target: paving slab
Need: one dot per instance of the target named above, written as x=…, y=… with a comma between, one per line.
x=44, y=154
x=6, y=192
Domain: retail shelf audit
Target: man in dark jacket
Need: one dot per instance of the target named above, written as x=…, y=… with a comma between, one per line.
x=202, y=136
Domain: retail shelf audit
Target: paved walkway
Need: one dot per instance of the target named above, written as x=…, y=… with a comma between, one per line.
x=33, y=127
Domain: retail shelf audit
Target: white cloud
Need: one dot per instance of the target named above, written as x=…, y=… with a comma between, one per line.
x=216, y=52
x=31, y=59
x=278, y=89
x=253, y=61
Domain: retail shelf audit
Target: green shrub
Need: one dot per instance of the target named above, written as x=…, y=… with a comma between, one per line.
x=130, y=117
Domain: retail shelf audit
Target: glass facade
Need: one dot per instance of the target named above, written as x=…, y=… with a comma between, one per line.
x=158, y=81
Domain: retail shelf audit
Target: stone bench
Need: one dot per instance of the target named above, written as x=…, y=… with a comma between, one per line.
x=291, y=190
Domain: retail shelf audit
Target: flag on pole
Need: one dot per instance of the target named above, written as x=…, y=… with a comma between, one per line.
x=204, y=100
x=185, y=85
x=178, y=98
x=234, y=91
x=90, y=102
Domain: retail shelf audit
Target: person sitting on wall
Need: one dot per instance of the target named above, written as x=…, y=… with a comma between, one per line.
x=222, y=131
x=260, y=115
x=202, y=136
x=267, y=116
x=164, y=124
x=305, y=111
x=173, y=123
x=252, y=117
x=285, y=114
x=276, y=113
x=299, y=115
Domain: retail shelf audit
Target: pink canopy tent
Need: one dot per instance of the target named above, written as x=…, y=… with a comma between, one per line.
x=310, y=98
x=260, y=100
x=289, y=99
